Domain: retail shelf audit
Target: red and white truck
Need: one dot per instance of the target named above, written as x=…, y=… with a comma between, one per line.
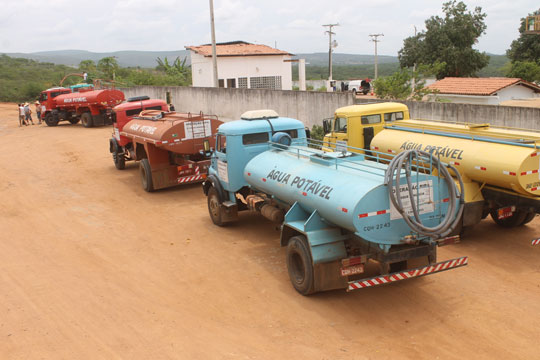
x=172, y=148
x=91, y=107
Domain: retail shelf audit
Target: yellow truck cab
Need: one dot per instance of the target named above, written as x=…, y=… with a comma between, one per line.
x=356, y=125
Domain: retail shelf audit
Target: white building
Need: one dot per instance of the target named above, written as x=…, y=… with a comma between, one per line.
x=484, y=91
x=242, y=65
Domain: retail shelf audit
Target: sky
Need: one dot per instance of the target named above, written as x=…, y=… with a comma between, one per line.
x=292, y=25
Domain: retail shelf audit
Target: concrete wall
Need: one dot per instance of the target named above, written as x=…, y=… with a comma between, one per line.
x=311, y=106
x=228, y=104
x=510, y=116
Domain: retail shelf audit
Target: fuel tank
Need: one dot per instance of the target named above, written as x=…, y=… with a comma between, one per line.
x=176, y=132
x=507, y=163
x=104, y=97
x=346, y=191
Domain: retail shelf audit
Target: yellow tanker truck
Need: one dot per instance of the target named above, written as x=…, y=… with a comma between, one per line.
x=499, y=166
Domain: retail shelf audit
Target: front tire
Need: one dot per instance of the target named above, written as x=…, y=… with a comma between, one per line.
x=214, y=206
x=86, y=120
x=528, y=218
x=119, y=160
x=300, y=265
x=50, y=120
x=146, y=175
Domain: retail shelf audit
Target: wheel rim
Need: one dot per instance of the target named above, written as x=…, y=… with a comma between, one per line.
x=297, y=267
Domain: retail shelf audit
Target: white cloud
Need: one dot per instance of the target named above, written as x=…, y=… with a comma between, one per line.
x=296, y=26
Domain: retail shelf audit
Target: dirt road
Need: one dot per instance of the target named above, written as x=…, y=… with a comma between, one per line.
x=92, y=267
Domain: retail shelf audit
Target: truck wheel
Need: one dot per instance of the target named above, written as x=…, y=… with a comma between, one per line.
x=119, y=160
x=214, y=206
x=300, y=265
x=75, y=120
x=146, y=175
x=528, y=218
x=50, y=120
x=516, y=219
x=354, y=92
x=86, y=120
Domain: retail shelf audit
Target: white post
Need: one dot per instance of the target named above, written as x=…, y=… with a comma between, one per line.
x=214, y=53
x=302, y=74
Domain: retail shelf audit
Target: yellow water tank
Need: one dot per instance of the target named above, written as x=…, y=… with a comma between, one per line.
x=508, y=164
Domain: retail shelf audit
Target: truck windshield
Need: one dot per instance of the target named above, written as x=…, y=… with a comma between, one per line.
x=340, y=125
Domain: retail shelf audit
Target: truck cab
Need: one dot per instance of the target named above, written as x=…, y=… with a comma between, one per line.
x=46, y=98
x=356, y=125
x=237, y=142
x=124, y=113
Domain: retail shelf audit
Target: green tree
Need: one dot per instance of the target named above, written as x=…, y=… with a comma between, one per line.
x=448, y=40
x=177, y=69
x=87, y=66
x=405, y=84
x=108, y=66
x=524, y=53
x=527, y=46
x=526, y=70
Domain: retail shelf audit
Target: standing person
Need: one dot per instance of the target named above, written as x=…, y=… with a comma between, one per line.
x=22, y=121
x=38, y=111
x=28, y=113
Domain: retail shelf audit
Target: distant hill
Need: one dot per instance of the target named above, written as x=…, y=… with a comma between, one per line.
x=321, y=59
x=145, y=59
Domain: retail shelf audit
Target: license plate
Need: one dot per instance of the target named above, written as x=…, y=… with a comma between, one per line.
x=352, y=270
x=505, y=212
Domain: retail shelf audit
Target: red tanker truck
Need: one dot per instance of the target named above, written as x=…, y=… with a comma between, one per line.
x=91, y=107
x=172, y=148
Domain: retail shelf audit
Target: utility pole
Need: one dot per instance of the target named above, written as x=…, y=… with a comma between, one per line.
x=214, y=52
x=374, y=38
x=330, y=33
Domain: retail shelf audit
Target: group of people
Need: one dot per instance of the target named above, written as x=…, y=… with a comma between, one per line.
x=25, y=114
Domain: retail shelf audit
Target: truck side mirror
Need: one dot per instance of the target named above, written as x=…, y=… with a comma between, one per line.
x=206, y=145
x=326, y=126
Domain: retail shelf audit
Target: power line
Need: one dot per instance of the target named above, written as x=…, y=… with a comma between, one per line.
x=330, y=45
x=375, y=39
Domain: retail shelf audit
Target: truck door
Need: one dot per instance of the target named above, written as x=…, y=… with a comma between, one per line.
x=340, y=133
x=372, y=124
x=220, y=161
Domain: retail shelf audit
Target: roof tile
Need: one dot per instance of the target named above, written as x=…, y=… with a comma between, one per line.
x=238, y=48
x=477, y=86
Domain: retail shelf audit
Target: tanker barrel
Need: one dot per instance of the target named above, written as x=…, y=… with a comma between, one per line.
x=509, y=164
x=347, y=190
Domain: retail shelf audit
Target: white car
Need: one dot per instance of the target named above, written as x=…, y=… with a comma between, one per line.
x=360, y=86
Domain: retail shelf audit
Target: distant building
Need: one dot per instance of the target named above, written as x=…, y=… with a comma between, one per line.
x=242, y=65
x=486, y=91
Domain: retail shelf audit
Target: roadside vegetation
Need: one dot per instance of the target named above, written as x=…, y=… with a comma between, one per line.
x=23, y=79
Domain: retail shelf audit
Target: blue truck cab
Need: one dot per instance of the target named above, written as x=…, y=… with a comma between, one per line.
x=237, y=143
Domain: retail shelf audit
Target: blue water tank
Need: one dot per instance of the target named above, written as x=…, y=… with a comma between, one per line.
x=346, y=189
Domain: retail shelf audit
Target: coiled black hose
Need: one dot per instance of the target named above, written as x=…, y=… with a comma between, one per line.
x=406, y=160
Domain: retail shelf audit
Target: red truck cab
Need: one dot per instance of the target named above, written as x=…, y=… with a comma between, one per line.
x=46, y=98
x=124, y=113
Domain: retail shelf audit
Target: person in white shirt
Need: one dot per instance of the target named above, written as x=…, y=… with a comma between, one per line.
x=22, y=121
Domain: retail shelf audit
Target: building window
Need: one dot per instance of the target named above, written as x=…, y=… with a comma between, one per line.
x=221, y=83
x=265, y=82
x=242, y=83
x=231, y=83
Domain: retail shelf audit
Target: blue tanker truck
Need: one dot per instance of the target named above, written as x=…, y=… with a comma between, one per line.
x=338, y=211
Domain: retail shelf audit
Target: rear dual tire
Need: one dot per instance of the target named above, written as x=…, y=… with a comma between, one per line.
x=86, y=120
x=300, y=265
x=146, y=175
x=518, y=218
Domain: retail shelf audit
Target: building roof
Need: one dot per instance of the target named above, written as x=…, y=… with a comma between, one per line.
x=478, y=86
x=236, y=48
